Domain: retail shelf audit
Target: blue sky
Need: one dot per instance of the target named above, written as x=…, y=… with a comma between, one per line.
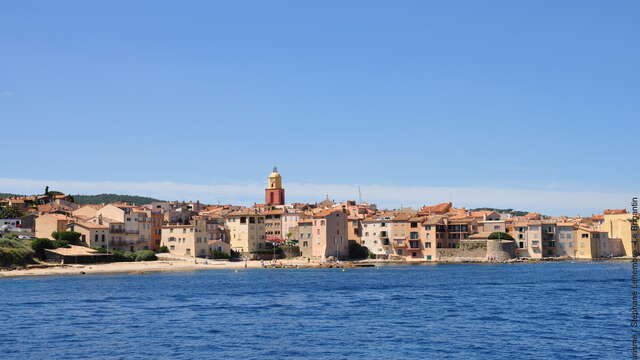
x=468, y=99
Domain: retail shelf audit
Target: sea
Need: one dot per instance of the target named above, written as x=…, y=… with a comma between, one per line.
x=557, y=310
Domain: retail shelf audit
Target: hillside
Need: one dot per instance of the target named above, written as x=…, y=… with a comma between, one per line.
x=110, y=198
x=103, y=198
x=508, y=211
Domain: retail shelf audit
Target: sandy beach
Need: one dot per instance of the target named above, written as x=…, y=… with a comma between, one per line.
x=140, y=267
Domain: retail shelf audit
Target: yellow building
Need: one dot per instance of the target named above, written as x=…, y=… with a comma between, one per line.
x=596, y=244
x=49, y=223
x=618, y=225
x=246, y=232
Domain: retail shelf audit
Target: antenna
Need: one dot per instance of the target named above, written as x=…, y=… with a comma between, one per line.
x=359, y=195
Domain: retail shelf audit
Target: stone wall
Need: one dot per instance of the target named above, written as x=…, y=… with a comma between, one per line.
x=468, y=251
x=479, y=251
x=501, y=250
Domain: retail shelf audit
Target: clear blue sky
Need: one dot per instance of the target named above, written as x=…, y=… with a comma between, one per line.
x=534, y=95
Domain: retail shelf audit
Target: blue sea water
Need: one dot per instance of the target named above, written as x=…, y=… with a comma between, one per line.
x=517, y=311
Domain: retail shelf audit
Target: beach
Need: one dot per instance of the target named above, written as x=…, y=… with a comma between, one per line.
x=140, y=267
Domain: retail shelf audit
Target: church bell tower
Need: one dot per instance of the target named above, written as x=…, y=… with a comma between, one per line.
x=274, y=193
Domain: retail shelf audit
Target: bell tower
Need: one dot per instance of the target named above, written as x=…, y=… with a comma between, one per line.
x=274, y=193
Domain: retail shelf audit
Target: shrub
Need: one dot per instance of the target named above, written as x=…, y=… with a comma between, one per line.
x=357, y=251
x=38, y=246
x=11, y=243
x=219, y=254
x=145, y=255
x=372, y=255
x=163, y=249
x=71, y=237
x=60, y=244
x=100, y=250
x=500, y=235
x=119, y=255
x=290, y=251
x=235, y=254
x=15, y=256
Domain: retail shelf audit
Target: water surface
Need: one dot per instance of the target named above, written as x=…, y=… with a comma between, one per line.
x=517, y=311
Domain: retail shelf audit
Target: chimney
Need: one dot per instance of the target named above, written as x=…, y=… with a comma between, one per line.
x=100, y=219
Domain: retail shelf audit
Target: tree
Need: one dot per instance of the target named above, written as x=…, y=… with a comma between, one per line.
x=500, y=236
x=10, y=212
x=71, y=237
x=38, y=246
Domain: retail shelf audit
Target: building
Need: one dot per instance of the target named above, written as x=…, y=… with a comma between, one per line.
x=566, y=239
x=136, y=231
x=49, y=223
x=596, y=244
x=274, y=193
x=273, y=225
x=375, y=235
x=184, y=240
x=246, y=232
x=354, y=229
x=290, y=224
x=91, y=234
x=617, y=224
x=305, y=243
x=535, y=238
x=398, y=235
x=328, y=236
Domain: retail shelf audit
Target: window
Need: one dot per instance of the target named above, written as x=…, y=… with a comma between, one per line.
x=428, y=236
x=428, y=257
x=172, y=247
x=521, y=245
x=413, y=235
x=243, y=220
x=414, y=224
x=399, y=251
x=427, y=245
x=585, y=236
x=520, y=236
x=427, y=227
x=305, y=243
x=414, y=244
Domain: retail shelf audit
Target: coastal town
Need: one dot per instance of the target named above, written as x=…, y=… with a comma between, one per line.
x=317, y=233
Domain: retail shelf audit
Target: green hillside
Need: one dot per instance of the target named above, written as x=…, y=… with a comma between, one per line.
x=110, y=198
x=103, y=198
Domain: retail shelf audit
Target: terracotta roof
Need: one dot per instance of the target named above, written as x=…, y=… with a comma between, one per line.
x=90, y=225
x=481, y=213
x=325, y=213
x=442, y=208
x=615, y=211
x=566, y=224
x=57, y=216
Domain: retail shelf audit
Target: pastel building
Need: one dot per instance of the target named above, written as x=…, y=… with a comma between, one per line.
x=328, y=235
x=246, y=231
x=566, y=239
x=49, y=223
x=375, y=235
